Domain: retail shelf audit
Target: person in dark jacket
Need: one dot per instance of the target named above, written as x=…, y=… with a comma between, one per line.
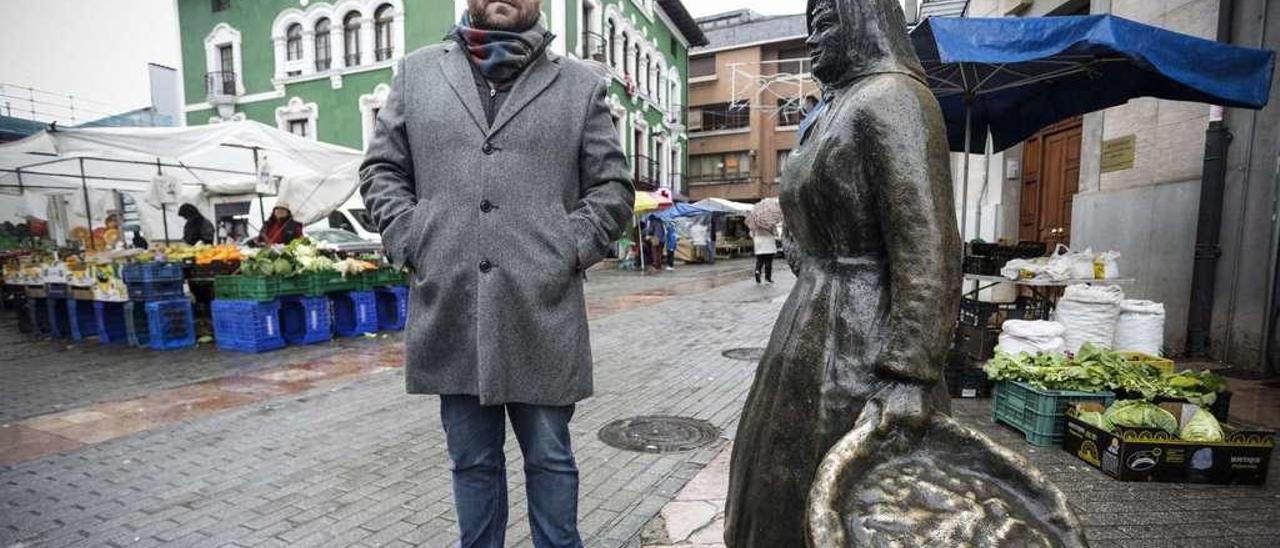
x=197, y=230
x=138, y=241
x=281, y=228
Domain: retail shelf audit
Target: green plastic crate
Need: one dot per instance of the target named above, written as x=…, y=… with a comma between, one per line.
x=294, y=285
x=323, y=283
x=382, y=277
x=246, y=288
x=1038, y=414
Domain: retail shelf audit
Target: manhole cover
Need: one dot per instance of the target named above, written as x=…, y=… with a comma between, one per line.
x=751, y=354
x=659, y=434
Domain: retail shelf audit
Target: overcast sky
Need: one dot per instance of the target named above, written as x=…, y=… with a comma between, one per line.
x=770, y=7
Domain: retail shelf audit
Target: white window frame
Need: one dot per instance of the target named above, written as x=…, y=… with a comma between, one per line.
x=370, y=102
x=224, y=34
x=296, y=110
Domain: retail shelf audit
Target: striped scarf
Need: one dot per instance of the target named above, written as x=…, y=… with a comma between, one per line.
x=500, y=55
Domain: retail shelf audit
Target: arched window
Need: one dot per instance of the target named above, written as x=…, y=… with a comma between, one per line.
x=324, y=52
x=612, y=35
x=626, y=53
x=351, y=38
x=645, y=71
x=382, y=32
x=293, y=42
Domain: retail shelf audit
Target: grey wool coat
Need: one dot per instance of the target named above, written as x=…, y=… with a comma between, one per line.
x=498, y=222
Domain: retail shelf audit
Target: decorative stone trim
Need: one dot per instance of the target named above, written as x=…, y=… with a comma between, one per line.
x=370, y=102
x=295, y=110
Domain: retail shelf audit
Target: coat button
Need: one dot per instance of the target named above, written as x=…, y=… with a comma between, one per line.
x=486, y=206
x=486, y=266
x=487, y=148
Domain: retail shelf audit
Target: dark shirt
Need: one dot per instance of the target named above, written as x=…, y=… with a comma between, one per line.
x=491, y=95
x=197, y=230
x=276, y=232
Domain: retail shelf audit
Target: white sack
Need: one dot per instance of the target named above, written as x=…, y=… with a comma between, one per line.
x=1032, y=337
x=1089, y=314
x=1140, y=327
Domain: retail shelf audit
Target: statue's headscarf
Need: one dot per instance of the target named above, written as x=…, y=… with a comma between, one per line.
x=875, y=36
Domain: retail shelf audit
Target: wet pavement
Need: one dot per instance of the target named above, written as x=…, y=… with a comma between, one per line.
x=320, y=446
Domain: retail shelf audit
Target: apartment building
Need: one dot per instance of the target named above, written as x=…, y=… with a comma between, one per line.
x=747, y=91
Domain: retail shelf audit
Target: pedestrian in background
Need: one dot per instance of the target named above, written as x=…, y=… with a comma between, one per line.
x=672, y=241
x=280, y=228
x=495, y=173
x=765, y=243
x=197, y=229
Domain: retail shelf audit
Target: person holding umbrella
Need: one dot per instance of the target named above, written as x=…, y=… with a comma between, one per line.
x=765, y=243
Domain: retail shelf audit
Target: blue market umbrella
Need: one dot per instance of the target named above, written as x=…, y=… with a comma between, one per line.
x=1010, y=77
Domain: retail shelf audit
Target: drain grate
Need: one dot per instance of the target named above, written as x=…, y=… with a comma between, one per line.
x=749, y=354
x=659, y=434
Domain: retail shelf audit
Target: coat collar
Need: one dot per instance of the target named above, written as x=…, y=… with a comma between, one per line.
x=527, y=87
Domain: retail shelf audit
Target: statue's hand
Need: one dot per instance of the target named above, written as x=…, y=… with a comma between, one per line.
x=904, y=406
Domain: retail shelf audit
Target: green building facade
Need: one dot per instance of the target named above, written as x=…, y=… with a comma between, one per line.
x=323, y=69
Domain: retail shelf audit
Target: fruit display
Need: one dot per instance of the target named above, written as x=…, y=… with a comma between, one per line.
x=219, y=253
x=300, y=256
x=353, y=267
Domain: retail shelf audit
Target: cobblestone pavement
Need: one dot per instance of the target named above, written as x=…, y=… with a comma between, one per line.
x=359, y=463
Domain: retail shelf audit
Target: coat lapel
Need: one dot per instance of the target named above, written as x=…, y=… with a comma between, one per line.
x=527, y=87
x=457, y=71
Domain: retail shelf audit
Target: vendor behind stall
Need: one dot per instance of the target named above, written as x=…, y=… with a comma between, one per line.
x=197, y=229
x=281, y=228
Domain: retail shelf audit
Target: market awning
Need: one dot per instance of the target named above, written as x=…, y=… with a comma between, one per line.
x=225, y=158
x=1018, y=75
x=721, y=205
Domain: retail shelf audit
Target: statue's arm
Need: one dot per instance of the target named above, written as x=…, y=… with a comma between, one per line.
x=908, y=155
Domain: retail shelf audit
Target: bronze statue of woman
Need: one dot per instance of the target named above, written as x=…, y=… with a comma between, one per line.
x=868, y=202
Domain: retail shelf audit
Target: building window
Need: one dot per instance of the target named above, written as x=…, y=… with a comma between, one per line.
x=626, y=54
x=790, y=112
x=324, y=51
x=793, y=60
x=612, y=36
x=221, y=5
x=370, y=105
x=719, y=116
x=719, y=168
x=782, y=161
x=351, y=38
x=702, y=66
x=298, y=127
x=226, y=73
x=293, y=42
x=382, y=33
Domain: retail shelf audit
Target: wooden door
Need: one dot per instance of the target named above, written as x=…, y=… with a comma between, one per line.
x=1050, y=180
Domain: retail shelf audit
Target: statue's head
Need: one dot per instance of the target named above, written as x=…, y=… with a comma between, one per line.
x=853, y=38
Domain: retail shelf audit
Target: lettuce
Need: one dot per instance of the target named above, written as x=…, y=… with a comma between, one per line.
x=1140, y=414
x=1203, y=426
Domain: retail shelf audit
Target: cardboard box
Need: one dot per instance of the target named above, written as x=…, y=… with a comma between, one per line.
x=1141, y=454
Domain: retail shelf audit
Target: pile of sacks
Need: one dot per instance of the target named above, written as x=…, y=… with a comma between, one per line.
x=1065, y=264
x=1090, y=314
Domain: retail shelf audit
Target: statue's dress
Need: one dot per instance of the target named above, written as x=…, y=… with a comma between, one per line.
x=840, y=195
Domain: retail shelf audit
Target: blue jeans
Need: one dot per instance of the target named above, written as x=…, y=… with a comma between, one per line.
x=475, y=436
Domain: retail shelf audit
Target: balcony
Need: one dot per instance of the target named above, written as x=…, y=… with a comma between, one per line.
x=594, y=46
x=323, y=64
x=382, y=54
x=220, y=83
x=352, y=59
x=647, y=173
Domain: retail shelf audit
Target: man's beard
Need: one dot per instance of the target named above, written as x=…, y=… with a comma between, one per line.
x=524, y=21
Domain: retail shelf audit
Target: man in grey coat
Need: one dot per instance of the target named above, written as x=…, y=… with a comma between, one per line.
x=496, y=174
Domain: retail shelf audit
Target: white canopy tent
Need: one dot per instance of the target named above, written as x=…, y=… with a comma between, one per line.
x=162, y=167
x=721, y=205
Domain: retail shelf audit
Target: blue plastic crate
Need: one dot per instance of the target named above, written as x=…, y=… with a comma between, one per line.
x=393, y=308
x=151, y=272
x=137, y=328
x=59, y=322
x=112, y=328
x=170, y=324
x=38, y=311
x=156, y=291
x=306, y=320
x=82, y=319
x=355, y=313
x=247, y=326
x=57, y=290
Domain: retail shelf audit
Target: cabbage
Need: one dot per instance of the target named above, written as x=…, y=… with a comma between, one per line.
x=1140, y=414
x=1094, y=418
x=1203, y=426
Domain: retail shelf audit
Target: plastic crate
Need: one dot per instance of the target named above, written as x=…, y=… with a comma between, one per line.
x=1038, y=414
x=151, y=272
x=393, y=308
x=212, y=270
x=170, y=324
x=59, y=321
x=247, y=326
x=382, y=277
x=36, y=291
x=156, y=291
x=112, y=328
x=981, y=313
x=355, y=313
x=1165, y=365
x=246, y=288
x=306, y=320
x=136, y=324
x=82, y=319
x=977, y=343
x=57, y=291
x=967, y=382
x=982, y=266
x=81, y=293
x=324, y=283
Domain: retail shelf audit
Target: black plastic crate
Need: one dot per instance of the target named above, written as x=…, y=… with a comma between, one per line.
x=977, y=343
x=967, y=382
x=980, y=313
x=982, y=266
x=156, y=291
